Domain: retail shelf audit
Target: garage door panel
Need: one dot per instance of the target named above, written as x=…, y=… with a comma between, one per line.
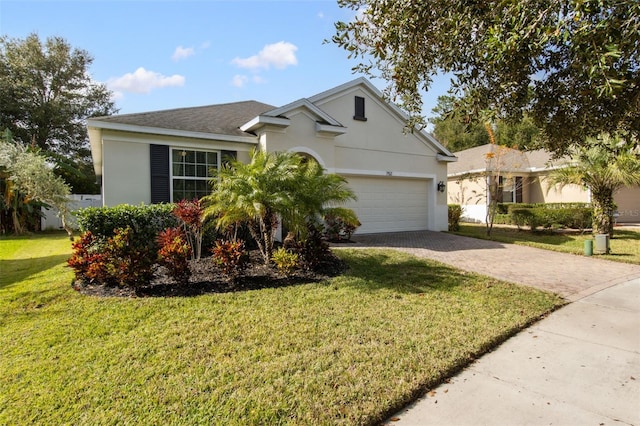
x=390, y=204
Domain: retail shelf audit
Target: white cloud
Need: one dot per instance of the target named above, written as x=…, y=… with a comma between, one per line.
x=182, y=53
x=239, y=80
x=143, y=81
x=279, y=55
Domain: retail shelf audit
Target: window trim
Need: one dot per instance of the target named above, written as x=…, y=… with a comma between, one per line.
x=171, y=175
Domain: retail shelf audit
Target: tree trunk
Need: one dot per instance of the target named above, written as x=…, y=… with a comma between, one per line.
x=17, y=225
x=603, y=208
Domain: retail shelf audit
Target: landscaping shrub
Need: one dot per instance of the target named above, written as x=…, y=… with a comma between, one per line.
x=86, y=261
x=524, y=217
x=191, y=214
x=119, y=260
x=174, y=254
x=146, y=221
x=558, y=215
x=314, y=250
x=231, y=256
x=129, y=260
x=502, y=219
x=455, y=212
x=340, y=224
x=285, y=261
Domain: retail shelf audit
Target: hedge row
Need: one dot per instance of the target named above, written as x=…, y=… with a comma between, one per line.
x=554, y=217
x=146, y=221
x=504, y=208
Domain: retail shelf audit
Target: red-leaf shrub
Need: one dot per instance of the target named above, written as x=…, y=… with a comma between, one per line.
x=230, y=256
x=129, y=260
x=87, y=261
x=174, y=254
x=191, y=215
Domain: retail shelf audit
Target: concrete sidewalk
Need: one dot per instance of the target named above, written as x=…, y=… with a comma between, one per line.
x=579, y=366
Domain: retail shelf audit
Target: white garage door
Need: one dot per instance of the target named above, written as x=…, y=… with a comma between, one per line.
x=390, y=204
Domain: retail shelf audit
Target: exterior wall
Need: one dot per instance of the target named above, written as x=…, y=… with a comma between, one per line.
x=126, y=173
x=379, y=146
x=567, y=194
x=470, y=193
x=301, y=133
x=376, y=148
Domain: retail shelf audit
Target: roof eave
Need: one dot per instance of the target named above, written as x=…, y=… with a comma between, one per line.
x=447, y=158
x=264, y=120
x=330, y=129
x=99, y=124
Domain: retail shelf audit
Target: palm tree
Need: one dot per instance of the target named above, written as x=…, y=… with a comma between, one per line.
x=316, y=194
x=271, y=186
x=604, y=165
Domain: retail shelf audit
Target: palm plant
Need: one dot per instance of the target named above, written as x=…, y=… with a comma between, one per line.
x=604, y=165
x=316, y=195
x=272, y=186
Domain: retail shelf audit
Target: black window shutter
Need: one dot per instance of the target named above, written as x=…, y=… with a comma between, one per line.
x=359, y=109
x=160, y=185
x=225, y=156
x=518, y=189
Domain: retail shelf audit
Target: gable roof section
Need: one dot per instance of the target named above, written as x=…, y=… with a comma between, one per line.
x=221, y=119
x=279, y=117
x=443, y=153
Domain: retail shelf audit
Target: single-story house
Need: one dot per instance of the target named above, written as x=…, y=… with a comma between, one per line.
x=522, y=178
x=164, y=156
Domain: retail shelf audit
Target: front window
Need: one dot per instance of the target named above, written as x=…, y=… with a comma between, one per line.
x=508, y=189
x=190, y=173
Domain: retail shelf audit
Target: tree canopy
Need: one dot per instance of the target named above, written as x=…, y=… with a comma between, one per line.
x=457, y=135
x=572, y=65
x=30, y=178
x=46, y=94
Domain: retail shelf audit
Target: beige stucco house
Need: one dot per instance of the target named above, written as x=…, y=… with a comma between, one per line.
x=164, y=156
x=522, y=178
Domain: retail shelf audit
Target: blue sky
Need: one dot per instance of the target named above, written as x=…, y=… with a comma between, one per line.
x=161, y=54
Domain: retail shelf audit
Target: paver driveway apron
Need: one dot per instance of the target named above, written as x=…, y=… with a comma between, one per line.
x=570, y=276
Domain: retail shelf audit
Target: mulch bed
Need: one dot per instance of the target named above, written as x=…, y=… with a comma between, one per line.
x=206, y=277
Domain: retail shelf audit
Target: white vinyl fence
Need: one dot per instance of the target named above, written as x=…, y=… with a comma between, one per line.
x=51, y=221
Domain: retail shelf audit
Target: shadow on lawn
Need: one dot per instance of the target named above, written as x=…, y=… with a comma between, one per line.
x=621, y=234
x=15, y=271
x=377, y=269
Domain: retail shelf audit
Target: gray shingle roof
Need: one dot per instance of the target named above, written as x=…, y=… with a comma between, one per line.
x=475, y=159
x=221, y=119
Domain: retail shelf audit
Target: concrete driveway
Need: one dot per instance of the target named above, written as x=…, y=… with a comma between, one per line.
x=578, y=366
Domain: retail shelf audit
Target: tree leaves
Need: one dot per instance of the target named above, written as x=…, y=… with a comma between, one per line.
x=573, y=66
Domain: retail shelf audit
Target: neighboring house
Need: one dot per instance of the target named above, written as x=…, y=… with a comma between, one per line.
x=164, y=156
x=521, y=177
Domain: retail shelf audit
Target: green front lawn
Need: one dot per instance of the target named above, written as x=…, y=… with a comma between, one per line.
x=351, y=350
x=625, y=245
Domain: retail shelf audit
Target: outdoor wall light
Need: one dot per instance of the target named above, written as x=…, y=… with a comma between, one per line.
x=441, y=186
